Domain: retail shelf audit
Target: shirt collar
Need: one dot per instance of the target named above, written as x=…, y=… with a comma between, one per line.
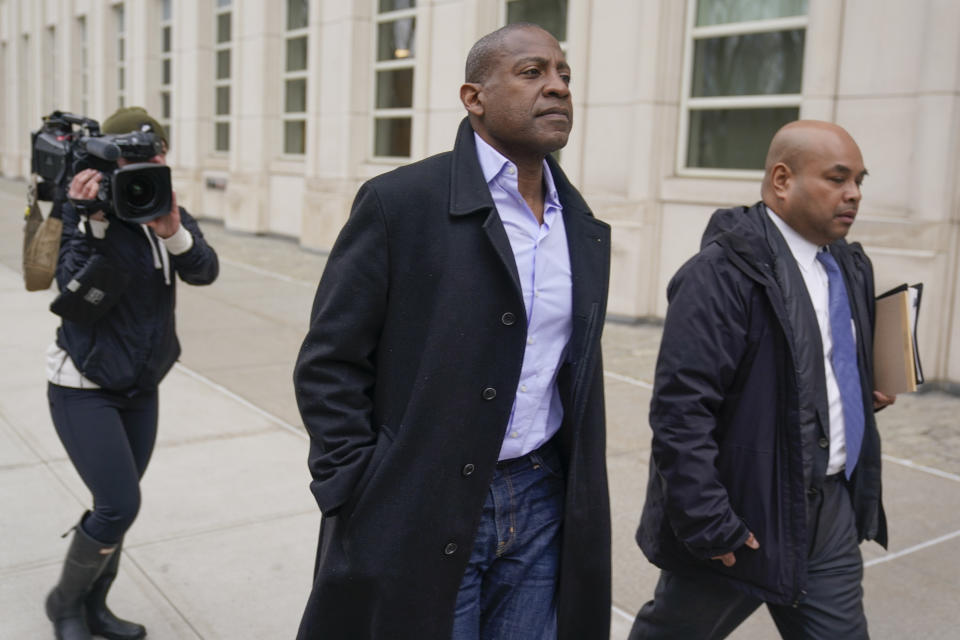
x=804, y=251
x=494, y=164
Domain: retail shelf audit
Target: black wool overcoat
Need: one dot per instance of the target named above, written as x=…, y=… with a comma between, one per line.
x=405, y=382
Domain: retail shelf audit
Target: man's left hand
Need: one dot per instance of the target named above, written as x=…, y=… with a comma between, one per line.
x=729, y=559
x=167, y=225
x=881, y=400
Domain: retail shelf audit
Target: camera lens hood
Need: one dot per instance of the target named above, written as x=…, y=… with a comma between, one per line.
x=142, y=192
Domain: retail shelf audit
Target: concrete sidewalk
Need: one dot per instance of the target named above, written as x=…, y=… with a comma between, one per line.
x=224, y=544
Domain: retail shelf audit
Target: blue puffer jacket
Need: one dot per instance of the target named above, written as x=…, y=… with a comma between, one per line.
x=135, y=344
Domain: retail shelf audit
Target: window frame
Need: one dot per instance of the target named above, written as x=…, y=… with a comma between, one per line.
x=692, y=33
x=219, y=83
x=119, y=11
x=391, y=113
x=302, y=74
x=166, y=58
x=83, y=55
x=504, y=13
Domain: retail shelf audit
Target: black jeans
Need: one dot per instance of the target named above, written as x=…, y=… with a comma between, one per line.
x=109, y=438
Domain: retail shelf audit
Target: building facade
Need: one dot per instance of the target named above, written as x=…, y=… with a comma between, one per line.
x=278, y=111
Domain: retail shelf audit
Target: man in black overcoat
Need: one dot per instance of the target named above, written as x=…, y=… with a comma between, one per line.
x=451, y=381
x=765, y=463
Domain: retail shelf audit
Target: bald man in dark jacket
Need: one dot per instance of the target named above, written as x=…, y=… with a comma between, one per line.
x=757, y=492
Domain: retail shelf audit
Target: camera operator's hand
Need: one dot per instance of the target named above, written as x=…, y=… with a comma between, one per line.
x=85, y=185
x=167, y=225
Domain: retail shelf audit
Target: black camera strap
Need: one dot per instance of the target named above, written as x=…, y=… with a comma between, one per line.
x=88, y=207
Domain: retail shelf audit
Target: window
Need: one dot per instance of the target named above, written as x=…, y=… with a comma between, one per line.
x=83, y=55
x=118, y=16
x=166, y=65
x=222, y=73
x=549, y=14
x=396, y=24
x=744, y=64
x=295, y=78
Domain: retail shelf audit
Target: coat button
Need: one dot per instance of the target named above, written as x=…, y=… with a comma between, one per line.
x=824, y=443
x=450, y=549
x=467, y=470
x=489, y=393
x=508, y=318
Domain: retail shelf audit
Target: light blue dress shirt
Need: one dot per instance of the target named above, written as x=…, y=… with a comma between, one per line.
x=543, y=263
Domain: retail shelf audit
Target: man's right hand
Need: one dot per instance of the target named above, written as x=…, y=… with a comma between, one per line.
x=728, y=559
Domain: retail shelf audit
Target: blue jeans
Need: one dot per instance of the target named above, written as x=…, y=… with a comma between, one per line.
x=509, y=588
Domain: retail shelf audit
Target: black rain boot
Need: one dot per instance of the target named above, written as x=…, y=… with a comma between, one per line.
x=85, y=560
x=100, y=619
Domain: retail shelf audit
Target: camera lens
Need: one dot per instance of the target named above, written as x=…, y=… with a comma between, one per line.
x=140, y=192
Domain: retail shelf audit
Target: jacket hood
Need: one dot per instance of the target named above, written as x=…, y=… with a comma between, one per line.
x=746, y=222
x=746, y=230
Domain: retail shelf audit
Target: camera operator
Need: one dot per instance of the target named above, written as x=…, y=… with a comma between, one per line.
x=103, y=377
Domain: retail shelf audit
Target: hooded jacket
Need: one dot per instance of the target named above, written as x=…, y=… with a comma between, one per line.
x=739, y=410
x=134, y=345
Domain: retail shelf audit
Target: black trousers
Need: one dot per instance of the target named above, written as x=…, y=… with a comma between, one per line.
x=687, y=607
x=109, y=437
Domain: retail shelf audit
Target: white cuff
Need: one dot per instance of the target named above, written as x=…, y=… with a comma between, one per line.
x=180, y=242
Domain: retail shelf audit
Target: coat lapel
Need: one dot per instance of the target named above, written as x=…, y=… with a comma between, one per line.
x=497, y=235
x=469, y=194
x=588, y=241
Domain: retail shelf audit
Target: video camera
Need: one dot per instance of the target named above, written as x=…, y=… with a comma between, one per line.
x=138, y=192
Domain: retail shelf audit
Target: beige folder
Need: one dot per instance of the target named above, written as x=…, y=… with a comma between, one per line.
x=896, y=362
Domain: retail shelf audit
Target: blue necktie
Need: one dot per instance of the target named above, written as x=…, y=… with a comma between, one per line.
x=844, y=360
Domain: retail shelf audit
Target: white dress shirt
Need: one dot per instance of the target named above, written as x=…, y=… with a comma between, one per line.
x=815, y=277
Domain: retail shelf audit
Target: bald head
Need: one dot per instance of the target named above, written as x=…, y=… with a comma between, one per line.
x=812, y=179
x=487, y=50
x=795, y=142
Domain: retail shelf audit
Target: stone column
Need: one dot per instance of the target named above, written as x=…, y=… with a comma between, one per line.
x=13, y=105
x=255, y=105
x=340, y=65
x=901, y=105
x=192, y=60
